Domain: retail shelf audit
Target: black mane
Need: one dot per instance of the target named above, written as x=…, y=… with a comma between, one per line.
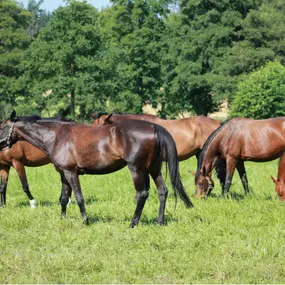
x=34, y=118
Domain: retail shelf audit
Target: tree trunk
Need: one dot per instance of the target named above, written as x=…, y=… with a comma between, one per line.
x=72, y=103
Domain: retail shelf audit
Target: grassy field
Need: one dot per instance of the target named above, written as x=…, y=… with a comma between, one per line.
x=235, y=240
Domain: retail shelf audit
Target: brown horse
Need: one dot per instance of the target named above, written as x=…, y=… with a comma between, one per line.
x=18, y=156
x=280, y=181
x=78, y=149
x=237, y=141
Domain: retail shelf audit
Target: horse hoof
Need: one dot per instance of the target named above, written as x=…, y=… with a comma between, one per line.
x=33, y=203
x=2, y=206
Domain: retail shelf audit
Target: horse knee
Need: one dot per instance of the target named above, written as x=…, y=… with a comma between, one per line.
x=142, y=196
x=162, y=195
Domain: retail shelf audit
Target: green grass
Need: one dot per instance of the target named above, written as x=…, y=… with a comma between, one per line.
x=235, y=240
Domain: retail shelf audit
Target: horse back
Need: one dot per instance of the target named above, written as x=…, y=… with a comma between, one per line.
x=257, y=140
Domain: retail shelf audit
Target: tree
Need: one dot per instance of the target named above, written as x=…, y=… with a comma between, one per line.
x=63, y=63
x=261, y=94
x=136, y=31
x=39, y=17
x=13, y=41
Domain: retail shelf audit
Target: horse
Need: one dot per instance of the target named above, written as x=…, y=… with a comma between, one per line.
x=280, y=181
x=77, y=149
x=20, y=154
x=239, y=140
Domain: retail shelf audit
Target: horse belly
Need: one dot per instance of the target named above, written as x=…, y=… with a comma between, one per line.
x=103, y=168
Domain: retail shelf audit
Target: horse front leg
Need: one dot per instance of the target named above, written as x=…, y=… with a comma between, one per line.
x=231, y=164
x=65, y=194
x=20, y=169
x=71, y=178
x=242, y=175
x=4, y=174
x=140, y=183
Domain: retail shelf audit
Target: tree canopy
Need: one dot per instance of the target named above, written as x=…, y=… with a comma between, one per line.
x=180, y=56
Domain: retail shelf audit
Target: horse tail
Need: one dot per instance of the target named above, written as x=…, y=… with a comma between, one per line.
x=168, y=151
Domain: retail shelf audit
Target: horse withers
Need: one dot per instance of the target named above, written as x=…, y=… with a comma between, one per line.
x=239, y=140
x=77, y=149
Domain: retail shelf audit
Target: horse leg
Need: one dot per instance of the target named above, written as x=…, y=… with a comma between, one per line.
x=71, y=178
x=141, y=183
x=4, y=174
x=162, y=195
x=65, y=194
x=231, y=164
x=242, y=175
x=20, y=169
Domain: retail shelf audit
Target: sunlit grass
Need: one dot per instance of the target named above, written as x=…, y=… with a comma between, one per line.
x=236, y=240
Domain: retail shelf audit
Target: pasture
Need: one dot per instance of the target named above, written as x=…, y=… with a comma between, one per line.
x=235, y=240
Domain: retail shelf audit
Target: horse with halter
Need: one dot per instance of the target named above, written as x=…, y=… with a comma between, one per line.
x=77, y=149
x=239, y=140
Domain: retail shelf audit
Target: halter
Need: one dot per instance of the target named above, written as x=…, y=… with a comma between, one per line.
x=9, y=136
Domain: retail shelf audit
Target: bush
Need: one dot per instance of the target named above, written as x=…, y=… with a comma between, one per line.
x=261, y=94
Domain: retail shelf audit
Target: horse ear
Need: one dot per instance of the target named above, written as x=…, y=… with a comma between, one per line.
x=92, y=115
x=108, y=117
x=13, y=116
x=274, y=180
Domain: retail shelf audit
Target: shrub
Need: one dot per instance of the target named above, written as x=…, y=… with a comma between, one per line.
x=261, y=94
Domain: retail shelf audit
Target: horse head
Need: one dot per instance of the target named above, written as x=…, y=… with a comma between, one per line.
x=279, y=188
x=101, y=118
x=6, y=131
x=204, y=184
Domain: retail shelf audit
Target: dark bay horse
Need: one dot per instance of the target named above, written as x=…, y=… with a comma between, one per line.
x=239, y=140
x=78, y=149
x=280, y=181
x=19, y=155
x=189, y=134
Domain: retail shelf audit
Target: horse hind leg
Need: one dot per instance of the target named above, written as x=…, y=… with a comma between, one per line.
x=162, y=195
x=141, y=183
x=20, y=169
x=243, y=177
x=4, y=174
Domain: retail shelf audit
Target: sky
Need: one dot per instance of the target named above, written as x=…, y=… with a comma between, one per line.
x=51, y=5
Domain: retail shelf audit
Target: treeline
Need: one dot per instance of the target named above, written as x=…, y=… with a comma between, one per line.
x=179, y=56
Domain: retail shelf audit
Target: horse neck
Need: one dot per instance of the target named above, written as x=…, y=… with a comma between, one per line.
x=281, y=169
x=36, y=134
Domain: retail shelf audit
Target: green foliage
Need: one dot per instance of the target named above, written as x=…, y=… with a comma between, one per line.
x=239, y=240
x=13, y=41
x=65, y=58
x=261, y=94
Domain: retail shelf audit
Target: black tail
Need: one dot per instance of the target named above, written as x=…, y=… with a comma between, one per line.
x=168, y=150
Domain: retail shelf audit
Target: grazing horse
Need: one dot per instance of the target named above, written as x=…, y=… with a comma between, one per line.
x=280, y=181
x=78, y=149
x=239, y=140
x=19, y=155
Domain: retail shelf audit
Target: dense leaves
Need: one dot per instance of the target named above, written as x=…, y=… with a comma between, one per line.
x=262, y=94
x=180, y=56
